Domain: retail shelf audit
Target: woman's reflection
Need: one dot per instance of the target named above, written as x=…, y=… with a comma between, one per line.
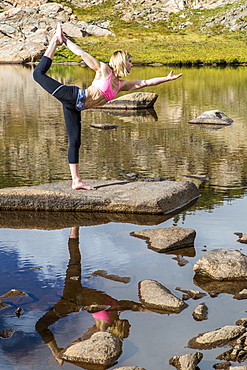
x=104, y=309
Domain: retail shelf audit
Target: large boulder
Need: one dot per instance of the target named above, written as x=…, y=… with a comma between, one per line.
x=222, y=264
x=161, y=197
x=137, y=100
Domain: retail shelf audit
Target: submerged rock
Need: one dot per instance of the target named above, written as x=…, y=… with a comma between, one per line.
x=102, y=348
x=222, y=264
x=167, y=239
x=216, y=338
x=186, y=362
x=214, y=117
x=157, y=297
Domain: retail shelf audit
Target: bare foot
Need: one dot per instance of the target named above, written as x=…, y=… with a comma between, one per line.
x=81, y=185
x=59, y=34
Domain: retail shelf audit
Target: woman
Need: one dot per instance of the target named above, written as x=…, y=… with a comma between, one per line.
x=105, y=86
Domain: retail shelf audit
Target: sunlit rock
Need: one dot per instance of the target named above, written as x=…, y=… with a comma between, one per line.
x=222, y=264
x=186, y=362
x=194, y=294
x=214, y=117
x=137, y=100
x=102, y=348
x=200, y=313
x=160, y=197
x=167, y=239
x=157, y=297
x=216, y=338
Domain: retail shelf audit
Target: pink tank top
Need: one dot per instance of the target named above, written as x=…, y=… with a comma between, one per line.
x=104, y=86
x=102, y=315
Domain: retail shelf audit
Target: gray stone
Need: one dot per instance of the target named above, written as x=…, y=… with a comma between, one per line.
x=167, y=239
x=137, y=100
x=214, y=117
x=102, y=348
x=186, y=362
x=111, y=196
x=222, y=264
x=157, y=297
x=215, y=338
x=200, y=313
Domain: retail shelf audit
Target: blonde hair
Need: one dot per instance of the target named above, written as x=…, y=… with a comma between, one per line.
x=118, y=62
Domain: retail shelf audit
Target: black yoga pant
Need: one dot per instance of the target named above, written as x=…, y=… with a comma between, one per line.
x=67, y=95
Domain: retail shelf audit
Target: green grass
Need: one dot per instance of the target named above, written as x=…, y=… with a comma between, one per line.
x=161, y=42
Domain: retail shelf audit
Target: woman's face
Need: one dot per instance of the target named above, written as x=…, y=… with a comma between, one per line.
x=129, y=65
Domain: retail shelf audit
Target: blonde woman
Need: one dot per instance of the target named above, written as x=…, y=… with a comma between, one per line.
x=105, y=86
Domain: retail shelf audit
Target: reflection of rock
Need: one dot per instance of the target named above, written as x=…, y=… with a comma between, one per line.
x=6, y=334
x=242, y=237
x=214, y=117
x=188, y=252
x=101, y=349
x=13, y=293
x=216, y=338
x=3, y=305
x=103, y=126
x=133, y=115
x=222, y=264
x=167, y=239
x=200, y=313
x=103, y=273
x=215, y=287
x=137, y=100
x=157, y=297
x=188, y=361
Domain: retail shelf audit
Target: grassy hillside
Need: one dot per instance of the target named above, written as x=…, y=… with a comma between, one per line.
x=181, y=39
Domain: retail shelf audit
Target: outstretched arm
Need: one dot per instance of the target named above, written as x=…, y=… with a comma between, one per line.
x=138, y=84
x=90, y=61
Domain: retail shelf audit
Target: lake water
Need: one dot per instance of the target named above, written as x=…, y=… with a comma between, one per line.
x=160, y=143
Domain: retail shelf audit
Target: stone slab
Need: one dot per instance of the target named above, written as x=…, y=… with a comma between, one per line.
x=159, y=197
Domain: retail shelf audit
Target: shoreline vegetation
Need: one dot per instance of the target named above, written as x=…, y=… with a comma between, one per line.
x=183, y=39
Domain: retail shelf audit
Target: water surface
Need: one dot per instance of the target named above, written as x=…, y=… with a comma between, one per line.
x=34, y=247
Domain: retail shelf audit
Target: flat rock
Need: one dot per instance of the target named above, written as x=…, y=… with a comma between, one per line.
x=242, y=237
x=222, y=264
x=111, y=196
x=102, y=348
x=157, y=297
x=215, y=338
x=213, y=117
x=167, y=239
x=137, y=100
